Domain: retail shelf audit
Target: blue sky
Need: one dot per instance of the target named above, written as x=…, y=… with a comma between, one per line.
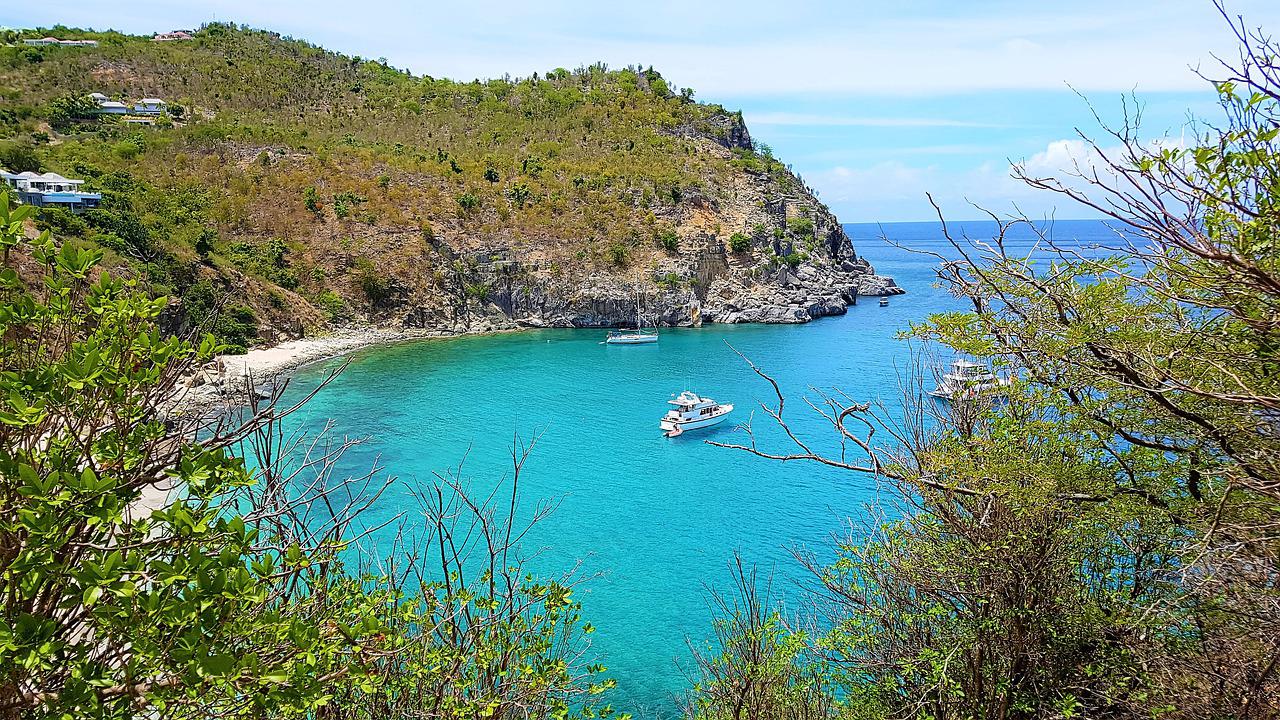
x=874, y=103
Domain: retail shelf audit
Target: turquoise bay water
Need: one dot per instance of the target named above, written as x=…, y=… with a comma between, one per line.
x=654, y=520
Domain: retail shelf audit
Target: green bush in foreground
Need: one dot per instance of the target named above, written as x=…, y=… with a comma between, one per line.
x=1098, y=539
x=226, y=598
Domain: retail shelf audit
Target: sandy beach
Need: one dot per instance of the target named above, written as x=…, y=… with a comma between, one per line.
x=222, y=383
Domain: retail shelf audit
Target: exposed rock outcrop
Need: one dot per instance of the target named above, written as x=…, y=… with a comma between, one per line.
x=710, y=286
x=793, y=263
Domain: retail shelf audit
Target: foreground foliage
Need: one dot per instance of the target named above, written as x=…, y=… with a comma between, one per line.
x=1101, y=542
x=146, y=570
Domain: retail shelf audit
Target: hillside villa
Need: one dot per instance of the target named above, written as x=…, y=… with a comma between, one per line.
x=50, y=190
x=173, y=35
x=149, y=107
x=107, y=106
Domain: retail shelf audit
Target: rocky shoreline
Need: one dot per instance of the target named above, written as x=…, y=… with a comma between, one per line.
x=801, y=297
x=688, y=290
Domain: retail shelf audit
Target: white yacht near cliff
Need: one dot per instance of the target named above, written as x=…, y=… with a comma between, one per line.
x=692, y=412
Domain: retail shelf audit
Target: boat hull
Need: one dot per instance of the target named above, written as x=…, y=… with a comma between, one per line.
x=631, y=340
x=966, y=394
x=681, y=426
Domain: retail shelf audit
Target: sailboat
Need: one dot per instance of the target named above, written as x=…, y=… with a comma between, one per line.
x=632, y=336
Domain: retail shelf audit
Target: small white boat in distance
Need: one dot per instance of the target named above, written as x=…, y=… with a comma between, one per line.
x=630, y=337
x=967, y=379
x=884, y=301
x=692, y=412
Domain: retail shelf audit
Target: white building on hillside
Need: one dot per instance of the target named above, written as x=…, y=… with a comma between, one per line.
x=50, y=190
x=150, y=106
x=107, y=106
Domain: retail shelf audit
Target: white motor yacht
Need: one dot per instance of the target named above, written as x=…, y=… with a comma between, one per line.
x=967, y=379
x=692, y=412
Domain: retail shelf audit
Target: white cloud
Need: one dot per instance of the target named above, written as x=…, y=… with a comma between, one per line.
x=1065, y=156
x=896, y=190
x=1063, y=159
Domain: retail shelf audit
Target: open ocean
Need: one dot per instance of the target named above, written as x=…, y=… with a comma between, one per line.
x=655, y=521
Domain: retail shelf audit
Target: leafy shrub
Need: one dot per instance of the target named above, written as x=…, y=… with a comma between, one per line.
x=668, y=239
x=311, y=198
x=206, y=308
x=204, y=242
x=618, y=253
x=519, y=194
x=61, y=222
x=267, y=260
x=65, y=111
x=120, y=220
x=128, y=149
x=532, y=166
x=350, y=198
x=332, y=305
x=19, y=157
x=671, y=281
x=801, y=227
x=739, y=243
x=468, y=201
x=374, y=283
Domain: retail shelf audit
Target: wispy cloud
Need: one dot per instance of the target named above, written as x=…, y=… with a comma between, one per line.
x=812, y=119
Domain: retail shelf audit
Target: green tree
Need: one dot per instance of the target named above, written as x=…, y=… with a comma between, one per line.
x=311, y=199
x=63, y=112
x=115, y=597
x=19, y=157
x=468, y=202
x=146, y=571
x=668, y=239
x=1098, y=539
x=519, y=194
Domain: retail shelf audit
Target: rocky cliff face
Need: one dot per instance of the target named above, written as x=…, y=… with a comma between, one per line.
x=760, y=249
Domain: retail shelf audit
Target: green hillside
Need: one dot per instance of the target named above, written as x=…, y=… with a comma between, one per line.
x=313, y=187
